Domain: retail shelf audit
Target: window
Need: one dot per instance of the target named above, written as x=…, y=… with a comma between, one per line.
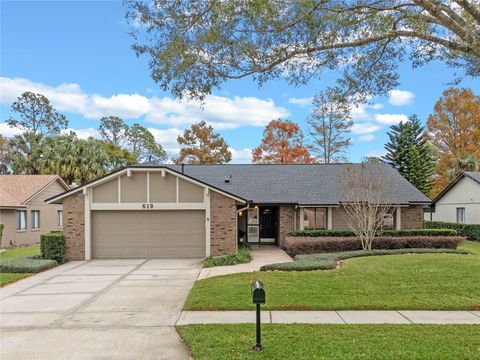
x=60, y=218
x=21, y=220
x=314, y=218
x=461, y=215
x=35, y=220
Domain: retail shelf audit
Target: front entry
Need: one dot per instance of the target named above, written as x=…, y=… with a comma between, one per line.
x=268, y=225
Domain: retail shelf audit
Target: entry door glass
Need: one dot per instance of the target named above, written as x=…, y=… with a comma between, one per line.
x=268, y=223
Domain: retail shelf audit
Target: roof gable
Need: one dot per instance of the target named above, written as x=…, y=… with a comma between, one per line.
x=474, y=175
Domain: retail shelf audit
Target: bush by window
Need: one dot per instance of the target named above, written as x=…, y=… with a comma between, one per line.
x=52, y=246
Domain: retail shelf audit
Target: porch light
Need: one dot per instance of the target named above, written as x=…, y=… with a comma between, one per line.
x=256, y=207
x=240, y=213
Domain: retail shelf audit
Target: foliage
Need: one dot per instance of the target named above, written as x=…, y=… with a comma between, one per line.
x=314, y=245
x=142, y=144
x=470, y=231
x=454, y=132
x=24, y=265
x=396, y=233
x=194, y=47
x=200, y=145
x=330, y=123
x=53, y=247
x=371, y=160
x=26, y=153
x=328, y=261
x=242, y=256
x=282, y=143
x=409, y=153
x=113, y=130
x=5, y=155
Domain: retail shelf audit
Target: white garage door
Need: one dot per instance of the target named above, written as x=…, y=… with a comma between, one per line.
x=148, y=234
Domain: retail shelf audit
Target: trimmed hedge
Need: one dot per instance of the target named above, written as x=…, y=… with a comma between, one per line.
x=242, y=256
x=393, y=233
x=471, y=231
x=25, y=265
x=329, y=261
x=309, y=245
x=52, y=246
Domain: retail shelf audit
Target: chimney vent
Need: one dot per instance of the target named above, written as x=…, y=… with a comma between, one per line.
x=227, y=178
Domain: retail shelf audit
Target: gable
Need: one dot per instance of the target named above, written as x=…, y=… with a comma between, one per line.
x=50, y=190
x=465, y=191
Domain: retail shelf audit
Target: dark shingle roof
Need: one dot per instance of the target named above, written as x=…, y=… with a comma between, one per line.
x=298, y=184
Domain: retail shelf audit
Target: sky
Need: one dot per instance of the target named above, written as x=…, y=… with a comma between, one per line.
x=78, y=54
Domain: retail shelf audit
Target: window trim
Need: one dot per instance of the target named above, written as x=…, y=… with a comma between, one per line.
x=314, y=210
x=38, y=220
x=60, y=219
x=17, y=223
x=463, y=217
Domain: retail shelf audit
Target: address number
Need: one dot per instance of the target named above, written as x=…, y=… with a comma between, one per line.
x=147, y=206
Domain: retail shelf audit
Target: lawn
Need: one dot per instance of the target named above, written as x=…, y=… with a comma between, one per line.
x=7, y=278
x=413, y=281
x=300, y=341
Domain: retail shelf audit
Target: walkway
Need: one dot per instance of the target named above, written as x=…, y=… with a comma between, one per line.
x=262, y=255
x=332, y=317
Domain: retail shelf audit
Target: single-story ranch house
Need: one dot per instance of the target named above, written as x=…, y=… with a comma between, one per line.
x=154, y=210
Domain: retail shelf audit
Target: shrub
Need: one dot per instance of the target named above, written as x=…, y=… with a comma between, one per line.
x=395, y=233
x=329, y=261
x=471, y=231
x=308, y=245
x=52, y=246
x=242, y=256
x=24, y=265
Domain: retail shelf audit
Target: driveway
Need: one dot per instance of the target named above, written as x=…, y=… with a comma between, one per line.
x=100, y=309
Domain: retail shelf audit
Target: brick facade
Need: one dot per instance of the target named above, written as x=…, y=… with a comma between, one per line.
x=223, y=224
x=286, y=222
x=74, y=225
x=412, y=217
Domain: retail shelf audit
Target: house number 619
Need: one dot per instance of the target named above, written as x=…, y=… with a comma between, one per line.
x=147, y=206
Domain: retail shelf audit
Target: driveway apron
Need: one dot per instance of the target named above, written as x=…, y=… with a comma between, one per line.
x=100, y=309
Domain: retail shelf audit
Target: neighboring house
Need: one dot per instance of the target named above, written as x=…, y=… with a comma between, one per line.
x=153, y=210
x=459, y=202
x=23, y=210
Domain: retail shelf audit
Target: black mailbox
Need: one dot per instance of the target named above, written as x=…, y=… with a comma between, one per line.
x=258, y=293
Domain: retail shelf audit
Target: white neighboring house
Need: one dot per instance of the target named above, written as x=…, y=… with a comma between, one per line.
x=459, y=202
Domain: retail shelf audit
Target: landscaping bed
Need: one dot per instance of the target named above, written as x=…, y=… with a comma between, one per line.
x=242, y=256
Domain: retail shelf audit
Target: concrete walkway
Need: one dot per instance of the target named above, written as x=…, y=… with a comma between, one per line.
x=262, y=255
x=101, y=309
x=331, y=317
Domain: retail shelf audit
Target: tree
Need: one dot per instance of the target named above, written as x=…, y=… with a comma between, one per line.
x=113, y=130
x=409, y=153
x=195, y=46
x=371, y=160
x=5, y=155
x=282, y=143
x=330, y=123
x=142, y=144
x=26, y=153
x=454, y=132
x=366, y=201
x=200, y=145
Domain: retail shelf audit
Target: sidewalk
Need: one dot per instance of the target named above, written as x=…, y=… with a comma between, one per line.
x=332, y=317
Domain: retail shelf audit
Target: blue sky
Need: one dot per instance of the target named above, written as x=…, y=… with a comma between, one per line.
x=78, y=54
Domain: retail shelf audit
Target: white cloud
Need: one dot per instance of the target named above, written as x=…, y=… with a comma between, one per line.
x=377, y=153
x=391, y=119
x=221, y=112
x=400, y=97
x=366, y=138
x=7, y=131
x=301, y=101
x=361, y=111
x=84, y=133
x=364, y=128
x=243, y=156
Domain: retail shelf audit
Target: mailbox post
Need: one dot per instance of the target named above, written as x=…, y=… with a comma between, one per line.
x=258, y=297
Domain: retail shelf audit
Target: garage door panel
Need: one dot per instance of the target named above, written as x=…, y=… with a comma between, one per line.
x=148, y=234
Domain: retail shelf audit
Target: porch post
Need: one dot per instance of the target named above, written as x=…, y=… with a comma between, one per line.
x=301, y=219
x=329, y=218
x=398, y=219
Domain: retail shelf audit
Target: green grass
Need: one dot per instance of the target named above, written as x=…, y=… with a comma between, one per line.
x=16, y=253
x=242, y=256
x=7, y=278
x=412, y=281
x=305, y=342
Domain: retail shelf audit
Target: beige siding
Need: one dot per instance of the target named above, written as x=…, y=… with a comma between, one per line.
x=189, y=192
x=134, y=188
x=163, y=189
x=106, y=192
x=148, y=234
x=339, y=219
x=51, y=190
x=7, y=218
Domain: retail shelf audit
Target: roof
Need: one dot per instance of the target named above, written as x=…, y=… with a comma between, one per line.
x=16, y=190
x=474, y=175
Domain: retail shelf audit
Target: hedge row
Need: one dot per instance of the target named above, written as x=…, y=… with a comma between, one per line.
x=471, y=231
x=393, y=233
x=329, y=261
x=25, y=265
x=310, y=245
x=52, y=246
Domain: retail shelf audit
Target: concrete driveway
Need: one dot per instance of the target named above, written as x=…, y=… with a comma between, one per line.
x=101, y=309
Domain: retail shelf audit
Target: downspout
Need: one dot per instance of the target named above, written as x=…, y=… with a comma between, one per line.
x=236, y=219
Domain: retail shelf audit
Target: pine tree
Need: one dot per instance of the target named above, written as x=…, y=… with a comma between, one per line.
x=409, y=153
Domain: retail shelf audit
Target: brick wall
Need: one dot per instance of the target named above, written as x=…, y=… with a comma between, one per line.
x=74, y=225
x=412, y=217
x=286, y=222
x=223, y=225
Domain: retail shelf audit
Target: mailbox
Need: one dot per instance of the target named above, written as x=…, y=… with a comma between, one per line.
x=258, y=293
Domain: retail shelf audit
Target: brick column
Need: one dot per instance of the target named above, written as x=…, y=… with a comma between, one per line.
x=74, y=225
x=285, y=217
x=223, y=224
x=412, y=217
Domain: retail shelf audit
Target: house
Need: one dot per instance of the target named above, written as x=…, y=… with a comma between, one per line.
x=459, y=202
x=23, y=210
x=154, y=210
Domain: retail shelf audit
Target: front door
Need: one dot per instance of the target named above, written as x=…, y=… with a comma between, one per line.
x=268, y=225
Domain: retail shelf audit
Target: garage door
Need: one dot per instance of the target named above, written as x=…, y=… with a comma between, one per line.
x=148, y=234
